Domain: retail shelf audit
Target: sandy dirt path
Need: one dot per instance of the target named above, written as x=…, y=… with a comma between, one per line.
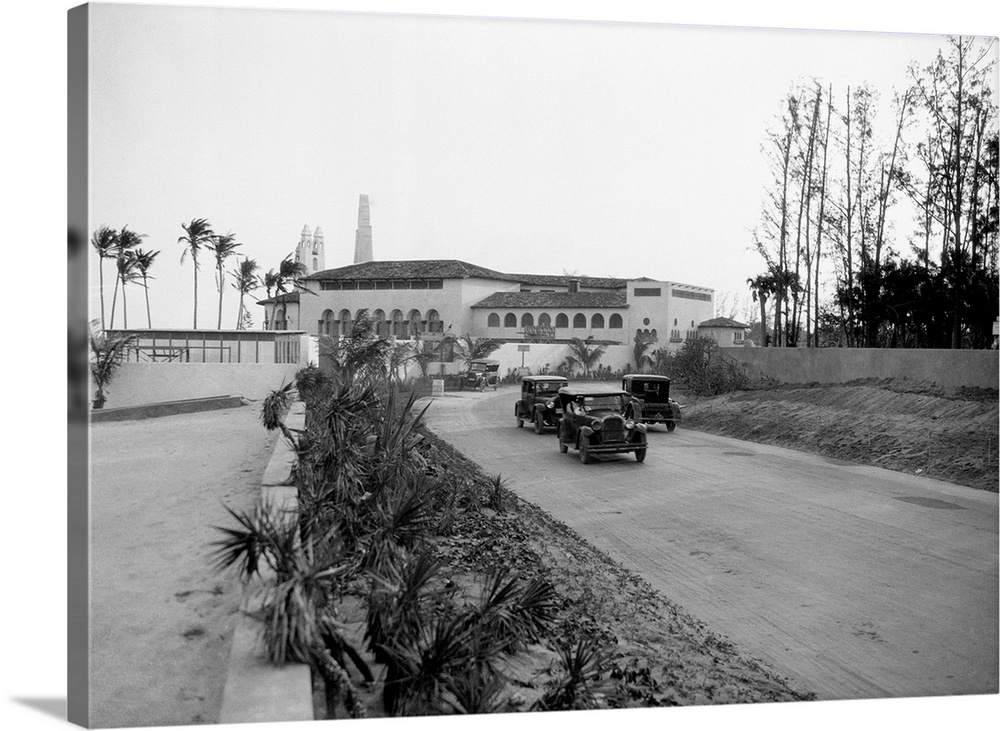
x=855, y=582
x=161, y=618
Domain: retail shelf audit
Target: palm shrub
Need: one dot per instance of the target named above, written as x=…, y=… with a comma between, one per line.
x=107, y=353
x=299, y=620
x=580, y=683
x=446, y=658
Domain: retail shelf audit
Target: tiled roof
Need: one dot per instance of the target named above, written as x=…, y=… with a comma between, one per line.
x=285, y=297
x=410, y=269
x=722, y=322
x=455, y=269
x=555, y=300
x=563, y=280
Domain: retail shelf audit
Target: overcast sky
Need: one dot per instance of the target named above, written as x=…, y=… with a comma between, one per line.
x=541, y=146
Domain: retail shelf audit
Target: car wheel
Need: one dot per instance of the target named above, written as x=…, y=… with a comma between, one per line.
x=520, y=422
x=671, y=425
x=640, y=455
x=538, y=423
x=584, y=450
x=563, y=447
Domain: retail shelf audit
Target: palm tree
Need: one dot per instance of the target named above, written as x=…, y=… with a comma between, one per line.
x=468, y=349
x=198, y=233
x=586, y=353
x=223, y=247
x=246, y=282
x=270, y=282
x=639, y=353
x=126, y=243
x=105, y=242
x=761, y=287
x=290, y=271
x=143, y=261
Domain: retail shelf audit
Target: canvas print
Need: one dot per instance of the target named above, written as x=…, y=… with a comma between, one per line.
x=427, y=365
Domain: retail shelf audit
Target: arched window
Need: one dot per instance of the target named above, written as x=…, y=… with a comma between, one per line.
x=378, y=319
x=493, y=320
x=562, y=320
x=326, y=324
x=527, y=320
x=510, y=320
x=279, y=319
x=398, y=330
x=579, y=321
x=597, y=321
x=346, y=324
x=615, y=321
x=315, y=263
x=362, y=313
x=414, y=322
x=434, y=323
x=544, y=320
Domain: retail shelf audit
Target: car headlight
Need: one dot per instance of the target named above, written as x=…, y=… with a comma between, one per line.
x=549, y=404
x=596, y=425
x=629, y=424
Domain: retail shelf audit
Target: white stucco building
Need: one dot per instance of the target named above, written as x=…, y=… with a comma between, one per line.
x=437, y=296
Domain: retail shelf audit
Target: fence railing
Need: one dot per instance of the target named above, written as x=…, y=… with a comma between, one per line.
x=213, y=346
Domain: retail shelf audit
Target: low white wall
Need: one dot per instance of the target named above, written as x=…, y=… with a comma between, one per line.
x=948, y=368
x=540, y=354
x=137, y=384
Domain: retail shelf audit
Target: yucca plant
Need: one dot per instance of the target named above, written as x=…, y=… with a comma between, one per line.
x=496, y=495
x=580, y=685
x=293, y=604
x=404, y=520
x=275, y=406
x=480, y=689
x=511, y=613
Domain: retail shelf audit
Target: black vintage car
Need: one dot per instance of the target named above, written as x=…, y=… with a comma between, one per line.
x=594, y=422
x=539, y=402
x=651, y=402
x=480, y=373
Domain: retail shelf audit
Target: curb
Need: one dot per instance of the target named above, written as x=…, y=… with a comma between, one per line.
x=165, y=408
x=256, y=690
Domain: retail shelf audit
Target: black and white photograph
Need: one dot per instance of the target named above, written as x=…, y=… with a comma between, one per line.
x=593, y=364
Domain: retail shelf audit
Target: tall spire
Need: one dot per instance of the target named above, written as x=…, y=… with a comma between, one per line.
x=363, y=236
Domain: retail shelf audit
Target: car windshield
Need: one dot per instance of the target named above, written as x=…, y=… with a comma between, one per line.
x=650, y=389
x=543, y=387
x=606, y=403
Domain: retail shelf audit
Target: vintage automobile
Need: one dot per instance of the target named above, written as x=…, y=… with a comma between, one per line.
x=651, y=402
x=539, y=402
x=594, y=422
x=480, y=373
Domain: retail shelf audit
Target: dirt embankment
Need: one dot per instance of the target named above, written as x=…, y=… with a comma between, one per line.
x=907, y=426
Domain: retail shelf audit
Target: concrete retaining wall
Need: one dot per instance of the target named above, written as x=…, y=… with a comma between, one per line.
x=948, y=368
x=136, y=384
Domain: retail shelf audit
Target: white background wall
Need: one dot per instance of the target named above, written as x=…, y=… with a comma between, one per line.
x=137, y=384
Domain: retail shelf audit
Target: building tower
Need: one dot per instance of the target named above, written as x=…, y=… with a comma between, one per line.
x=363, y=236
x=317, y=262
x=309, y=251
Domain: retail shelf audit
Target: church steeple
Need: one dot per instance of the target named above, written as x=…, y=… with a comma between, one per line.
x=363, y=236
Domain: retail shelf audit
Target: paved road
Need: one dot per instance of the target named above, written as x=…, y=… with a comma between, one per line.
x=855, y=582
